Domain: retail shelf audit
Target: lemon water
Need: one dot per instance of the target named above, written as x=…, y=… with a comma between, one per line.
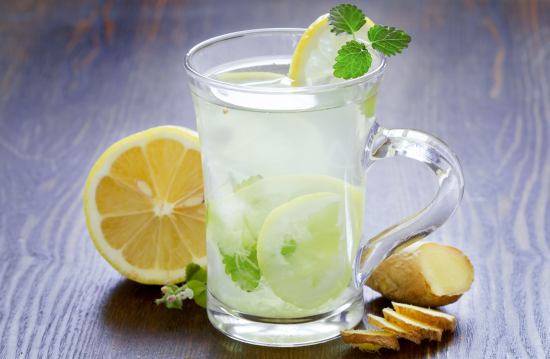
x=284, y=191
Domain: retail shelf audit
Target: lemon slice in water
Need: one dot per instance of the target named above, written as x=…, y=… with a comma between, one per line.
x=302, y=251
x=246, y=210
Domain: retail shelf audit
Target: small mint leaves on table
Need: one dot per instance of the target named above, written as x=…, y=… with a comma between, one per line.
x=193, y=288
x=354, y=58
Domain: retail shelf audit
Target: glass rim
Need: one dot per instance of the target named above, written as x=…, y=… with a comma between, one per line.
x=273, y=90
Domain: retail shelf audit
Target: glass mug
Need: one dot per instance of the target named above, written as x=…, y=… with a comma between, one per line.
x=284, y=170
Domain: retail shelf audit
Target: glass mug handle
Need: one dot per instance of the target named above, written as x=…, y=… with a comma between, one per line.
x=443, y=163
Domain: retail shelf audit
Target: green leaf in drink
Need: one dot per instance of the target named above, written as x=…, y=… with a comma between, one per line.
x=243, y=268
x=247, y=182
x=289, y=247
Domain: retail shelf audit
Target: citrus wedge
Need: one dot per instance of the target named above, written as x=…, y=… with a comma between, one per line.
x=144, y=205
x=316, y=51
x=302, y=250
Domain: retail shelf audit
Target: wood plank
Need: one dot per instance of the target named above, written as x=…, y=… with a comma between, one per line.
x=75, y=76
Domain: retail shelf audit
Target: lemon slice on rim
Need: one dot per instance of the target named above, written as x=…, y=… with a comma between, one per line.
x=316, y=51
x=144, y=205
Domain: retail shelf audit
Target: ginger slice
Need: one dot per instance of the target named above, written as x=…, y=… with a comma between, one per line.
x=407, y=321
x=432, y=317
x=425, y=331
x=370, y=340
x=382, y=323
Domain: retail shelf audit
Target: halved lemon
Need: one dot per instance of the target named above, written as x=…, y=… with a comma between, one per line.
x=144, y=205
x=316, y=51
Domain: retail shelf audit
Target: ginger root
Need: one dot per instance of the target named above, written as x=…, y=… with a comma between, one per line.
x=425, y=273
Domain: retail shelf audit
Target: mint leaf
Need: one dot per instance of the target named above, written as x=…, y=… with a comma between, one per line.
x=243, y=269
x=247, y=182
x=289, y=247
x=242, y=264
x=353, y=60
x=199, y=291
x=190, y=270
x=388, y=40
x=200, y=299
x=195, y=272
x=195, y=288
x=346, y=18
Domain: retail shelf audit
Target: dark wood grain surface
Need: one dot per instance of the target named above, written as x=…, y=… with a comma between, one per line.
x=76, y=76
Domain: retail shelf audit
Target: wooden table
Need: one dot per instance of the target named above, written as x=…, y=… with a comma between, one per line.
x=75, y=76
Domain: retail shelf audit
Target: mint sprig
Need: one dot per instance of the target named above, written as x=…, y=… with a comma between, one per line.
x=193, y=288
x=354, y=58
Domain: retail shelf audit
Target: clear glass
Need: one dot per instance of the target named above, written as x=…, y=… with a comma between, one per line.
x=284, y=170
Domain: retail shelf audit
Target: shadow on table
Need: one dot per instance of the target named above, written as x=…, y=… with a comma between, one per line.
x=227, y=348
x=130, y=306
x=130, y=313
x=223, y=347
